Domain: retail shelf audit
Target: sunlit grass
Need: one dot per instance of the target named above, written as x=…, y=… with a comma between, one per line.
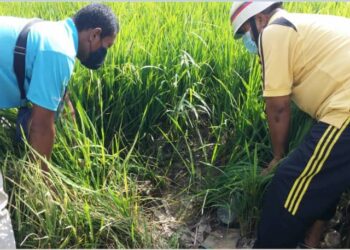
x=176, y=93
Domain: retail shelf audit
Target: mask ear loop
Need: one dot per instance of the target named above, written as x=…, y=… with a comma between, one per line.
x=254, y=30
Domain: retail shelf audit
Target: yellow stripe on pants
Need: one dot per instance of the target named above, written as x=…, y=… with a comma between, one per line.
x=308, y=166
x=313, y=166
x=320, y=166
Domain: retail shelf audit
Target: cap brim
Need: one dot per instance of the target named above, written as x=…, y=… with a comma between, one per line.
x=238, y=35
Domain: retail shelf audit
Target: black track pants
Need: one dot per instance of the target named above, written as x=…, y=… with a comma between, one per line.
x=306, y=187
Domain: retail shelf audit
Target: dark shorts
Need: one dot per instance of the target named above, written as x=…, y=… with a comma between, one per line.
x=306, y=187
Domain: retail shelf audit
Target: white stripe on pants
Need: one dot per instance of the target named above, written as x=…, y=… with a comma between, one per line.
x=7, y=239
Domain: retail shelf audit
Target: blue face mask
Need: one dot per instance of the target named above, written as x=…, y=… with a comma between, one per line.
x=249, y=43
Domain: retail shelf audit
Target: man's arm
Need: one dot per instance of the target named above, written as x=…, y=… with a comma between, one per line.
x=42, y=132
x=70, y=106
x=278, y=115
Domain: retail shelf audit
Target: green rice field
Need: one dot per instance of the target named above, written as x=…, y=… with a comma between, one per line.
x=175, y=117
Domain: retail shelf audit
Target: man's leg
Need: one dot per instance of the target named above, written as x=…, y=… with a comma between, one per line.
x=277, y=227
x=7, y=239
x=314, y=234
x=306, y=185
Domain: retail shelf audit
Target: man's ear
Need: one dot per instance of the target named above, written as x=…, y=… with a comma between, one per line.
x=261, y=20
x=95, y=32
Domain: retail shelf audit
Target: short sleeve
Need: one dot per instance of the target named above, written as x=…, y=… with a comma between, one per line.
x=50, y=76
x=276, y=53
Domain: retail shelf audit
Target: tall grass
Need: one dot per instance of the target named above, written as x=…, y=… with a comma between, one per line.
x=177, y=93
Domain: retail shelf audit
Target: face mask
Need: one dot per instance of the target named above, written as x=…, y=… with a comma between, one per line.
x=95, y=59
x=249, y=43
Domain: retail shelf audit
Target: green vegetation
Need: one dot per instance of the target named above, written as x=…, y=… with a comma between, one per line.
x=178, y=103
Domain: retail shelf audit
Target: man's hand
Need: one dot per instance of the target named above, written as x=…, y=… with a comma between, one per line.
x=270, y=167
x=71, y=110
x=42, y=132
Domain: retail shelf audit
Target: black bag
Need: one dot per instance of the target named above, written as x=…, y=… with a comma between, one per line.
x=22, y=120
x=24, y=112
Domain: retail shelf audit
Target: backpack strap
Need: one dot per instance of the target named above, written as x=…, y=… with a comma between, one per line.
x=19, y=58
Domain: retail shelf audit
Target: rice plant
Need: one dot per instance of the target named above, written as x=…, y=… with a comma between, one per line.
x=176, y=94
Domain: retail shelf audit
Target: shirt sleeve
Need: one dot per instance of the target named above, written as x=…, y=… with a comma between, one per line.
x=50, y=75
x=276, y=53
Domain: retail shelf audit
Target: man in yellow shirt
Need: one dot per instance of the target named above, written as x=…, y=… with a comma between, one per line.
x=305, y=59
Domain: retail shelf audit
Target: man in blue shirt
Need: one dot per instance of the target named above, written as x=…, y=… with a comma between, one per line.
x=49, y=62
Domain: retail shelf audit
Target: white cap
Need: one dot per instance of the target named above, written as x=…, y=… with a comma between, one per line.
x=242, y=11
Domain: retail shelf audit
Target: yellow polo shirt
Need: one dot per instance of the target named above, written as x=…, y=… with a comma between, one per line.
x=307, y=57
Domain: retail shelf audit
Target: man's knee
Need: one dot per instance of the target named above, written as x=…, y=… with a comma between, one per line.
x=282, y=230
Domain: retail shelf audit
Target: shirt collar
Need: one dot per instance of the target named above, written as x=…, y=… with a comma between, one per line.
x=277, y=15
x=73, y=28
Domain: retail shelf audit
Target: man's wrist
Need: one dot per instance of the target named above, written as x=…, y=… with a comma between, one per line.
x=278, y=156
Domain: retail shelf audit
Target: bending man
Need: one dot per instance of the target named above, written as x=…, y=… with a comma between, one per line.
x=51, y=49
x=305, y=59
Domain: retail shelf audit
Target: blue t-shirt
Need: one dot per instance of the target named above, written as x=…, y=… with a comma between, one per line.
x=50, y=56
